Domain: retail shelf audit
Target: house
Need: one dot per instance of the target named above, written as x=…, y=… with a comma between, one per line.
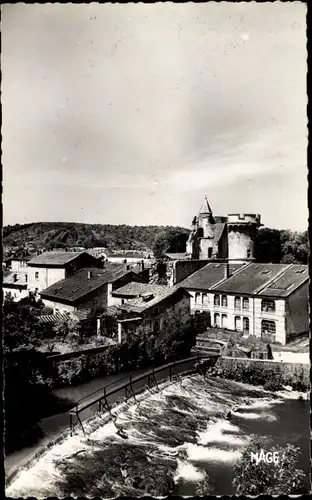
x=269, y=301
x=17, y=262
x=88, y=288
x=128, y=256
x=50, y=267
x=14, y=284
x=144, y=304
x=20, y=263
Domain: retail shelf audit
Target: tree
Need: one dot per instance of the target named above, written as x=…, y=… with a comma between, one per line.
x=282, y=478
x=288, y=247
x=268, y=246
x=20, y=325
x=173, y=241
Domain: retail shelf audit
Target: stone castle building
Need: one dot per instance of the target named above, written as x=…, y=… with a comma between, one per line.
x=215, y=237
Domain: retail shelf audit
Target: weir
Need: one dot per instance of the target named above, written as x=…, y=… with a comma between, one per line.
x=112, y=394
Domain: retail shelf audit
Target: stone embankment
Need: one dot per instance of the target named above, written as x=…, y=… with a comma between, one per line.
x=273, y=375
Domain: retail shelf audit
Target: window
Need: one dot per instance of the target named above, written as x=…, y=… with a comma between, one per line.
x=224, y=301
x=246, y=324
x=238, y=323
x=209, y=253
x=224, y=321
x=197, y=298
x=237, y=303
x=267, y=305
x=246, y=304
x=248, y=254
x=156, y=325
x=268, y=327
x=26, y=278
x=36, y=275
x=205, y=298
x=217, y=319
x=122, y=301
x=216, y=300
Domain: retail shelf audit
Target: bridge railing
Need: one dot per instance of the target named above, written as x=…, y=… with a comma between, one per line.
x=127, y=387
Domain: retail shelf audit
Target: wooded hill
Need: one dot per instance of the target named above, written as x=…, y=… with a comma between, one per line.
x=49, y=235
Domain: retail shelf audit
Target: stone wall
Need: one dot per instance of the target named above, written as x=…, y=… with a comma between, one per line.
x=291, y=371
x=79, y=366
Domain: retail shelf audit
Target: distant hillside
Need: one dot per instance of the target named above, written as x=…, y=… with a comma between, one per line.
x=49, y=235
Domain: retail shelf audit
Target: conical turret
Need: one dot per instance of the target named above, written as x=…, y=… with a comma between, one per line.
x=205, y=208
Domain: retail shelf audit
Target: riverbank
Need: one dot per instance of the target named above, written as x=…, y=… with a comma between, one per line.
x=53, y=425
x=270, y=374
x=177, y=437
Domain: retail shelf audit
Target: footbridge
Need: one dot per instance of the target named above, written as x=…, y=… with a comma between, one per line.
x=126, y=388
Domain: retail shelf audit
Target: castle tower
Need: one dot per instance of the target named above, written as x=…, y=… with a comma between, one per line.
x=242, y=230
x=206, y=220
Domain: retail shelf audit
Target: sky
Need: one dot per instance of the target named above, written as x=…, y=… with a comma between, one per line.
x=131, y=113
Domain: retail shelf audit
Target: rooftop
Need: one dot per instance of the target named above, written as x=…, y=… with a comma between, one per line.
x=79, y=284
x=208, y=276
x=17, y=278
x=251, y=278
x=205, y=208
x=141, y=292
x=290, y=280
x=65, y=316
x=218, y=231
x=54, y=258
x=129, y=254
x=177, y=256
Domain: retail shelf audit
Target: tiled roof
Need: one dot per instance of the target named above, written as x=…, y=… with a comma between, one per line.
x=251, y=278
x=289, y=281
x=53, y=318
x=54, y=258
x=218, y=231
x=8, y=278
x=64, y=316
x=22, y=259
x=134, y=289
x=138, y=304
x=208, y=276
x=76, y=286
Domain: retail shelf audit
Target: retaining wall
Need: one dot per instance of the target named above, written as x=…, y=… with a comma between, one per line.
x=292, y=371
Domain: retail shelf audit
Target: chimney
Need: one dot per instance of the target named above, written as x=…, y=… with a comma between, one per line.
x=226, y=271
x=89, y=275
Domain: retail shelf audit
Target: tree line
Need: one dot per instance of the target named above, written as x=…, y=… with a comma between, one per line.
x=271, y=245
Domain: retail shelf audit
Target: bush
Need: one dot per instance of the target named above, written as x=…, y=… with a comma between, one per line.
x=283, y=478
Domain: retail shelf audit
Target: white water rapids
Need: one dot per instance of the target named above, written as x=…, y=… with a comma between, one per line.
x=181, y=431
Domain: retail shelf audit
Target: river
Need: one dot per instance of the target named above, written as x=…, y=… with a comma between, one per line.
x=179, y=433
